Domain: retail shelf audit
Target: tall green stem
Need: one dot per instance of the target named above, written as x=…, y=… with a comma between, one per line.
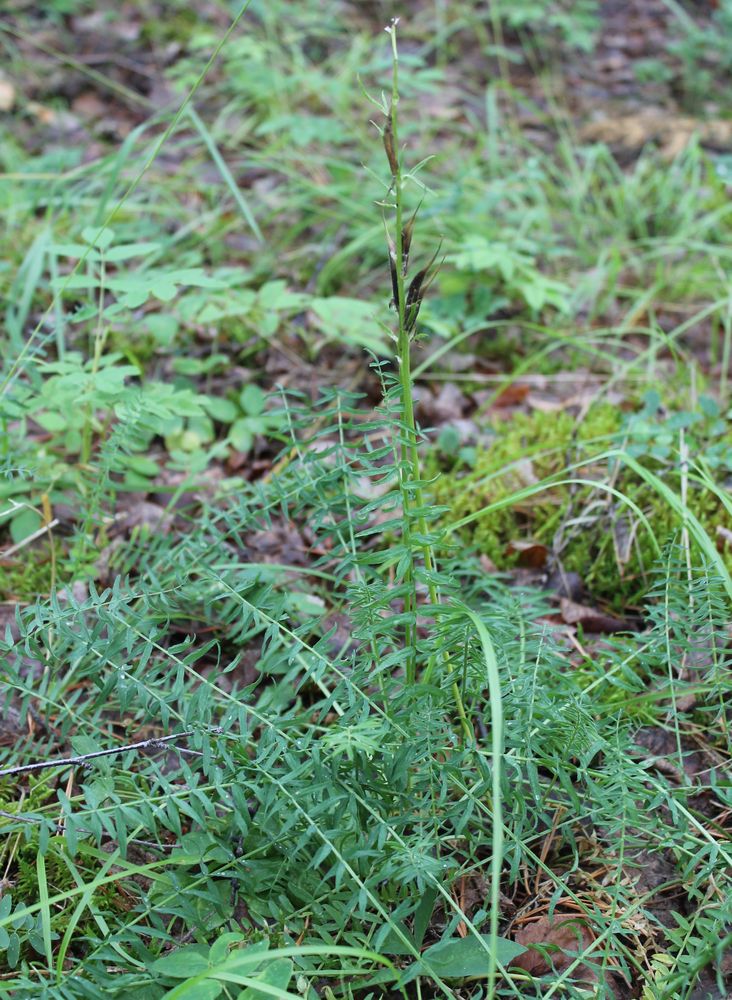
x=403, y=343
x=410, y=452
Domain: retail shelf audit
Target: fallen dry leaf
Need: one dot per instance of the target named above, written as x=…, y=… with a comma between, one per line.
x=672, y=133
x=565, y=583
x=724, y=538
x=45, y=115
x=7, y=95
x=448, y=405
x=591, y=619
x=143, y=514
x=89, y=105
x=531, y=554
x=624, y=532
x=560, y=939
x=487, y=564
x=512, y=395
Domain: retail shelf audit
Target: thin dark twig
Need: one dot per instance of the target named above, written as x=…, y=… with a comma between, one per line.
x=150, y=744
x=20, y=817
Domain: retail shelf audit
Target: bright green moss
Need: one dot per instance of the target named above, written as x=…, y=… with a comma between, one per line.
x=587, y=528
x=25, y=578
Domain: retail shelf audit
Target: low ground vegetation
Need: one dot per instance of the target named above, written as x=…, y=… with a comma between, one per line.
x=366, y=535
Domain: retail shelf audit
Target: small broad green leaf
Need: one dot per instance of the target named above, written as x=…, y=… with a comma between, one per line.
x=185, y=441
x=13, y=952
x=75, y=282
x=237, y=302
x=98, y=237
x=182, y=964
x=275, y=295
x=252, y=400
x=195, y=276
x=222, y=410
x=277, y=974
x=136, y=297
x=394, y=943
x=163, y=327
x=163, y=288
x=195, y=989
x=199, y=366
x=82, y=744
x=51, y=421
x=349, y=320
x=221, y=945
x=128, y=250
x=142, y=465
x=75, y=250
x=241, y=435
x=457, y=958
x=24, y=524
x=203, y=427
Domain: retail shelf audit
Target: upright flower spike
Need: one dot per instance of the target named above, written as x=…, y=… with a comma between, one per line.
x=407, y=303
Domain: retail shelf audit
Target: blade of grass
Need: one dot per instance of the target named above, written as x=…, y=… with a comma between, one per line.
x=686, y=516
x=496, y=704
x=44, y=905
x=223, y=169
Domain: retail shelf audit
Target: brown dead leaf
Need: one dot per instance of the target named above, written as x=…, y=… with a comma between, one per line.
x=12, y=728
x=560, y=939
x=724, y=538
x=512, y=395
x=448, y=405
x=530, y=554
x=89, y=105
x=143, y=514
x=521, y=474
x=565, y=583
x=624, y=532
x=591, y=619
x=78, y=592
x=8, y=620
x=7, y=95
x=685, y=702
x=487, y=564
x=45, y=115
x=280, y=543
x=672, y=133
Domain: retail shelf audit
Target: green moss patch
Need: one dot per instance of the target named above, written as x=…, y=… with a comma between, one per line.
x=548, y=478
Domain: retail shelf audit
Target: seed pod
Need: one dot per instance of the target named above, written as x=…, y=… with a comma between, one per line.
x=392, y=269
x=388, y=137
x=416, y=292
x=407, y=231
